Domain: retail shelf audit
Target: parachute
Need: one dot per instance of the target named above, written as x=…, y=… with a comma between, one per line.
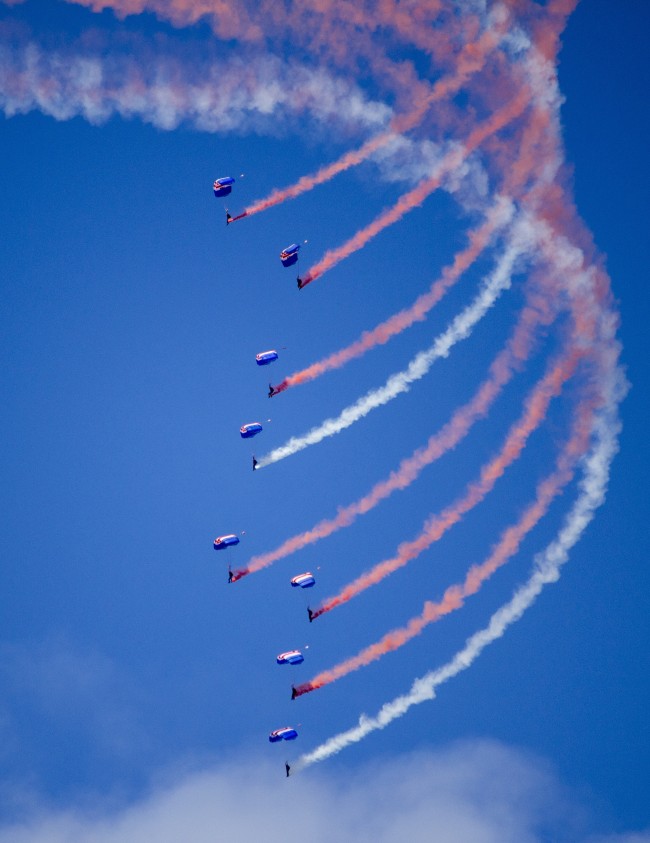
x=266, y=357
x=305, y=580
x=284, y=734
x=292, y=657
x=222, y=542
x=249, y=430
x=223, y=186
x=289, y=256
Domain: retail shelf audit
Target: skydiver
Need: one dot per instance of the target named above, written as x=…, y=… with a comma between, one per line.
x=294, y=692
x=271, y=391
x=228, y=218
x=300, y=283
x=287, y=768
x=230, y=574
x=254, y=463
x=311, y=614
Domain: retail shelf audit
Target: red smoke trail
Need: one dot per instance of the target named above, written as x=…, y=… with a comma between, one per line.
x=231, y=19
x=479, y=238
x=455, y=595
x=437, y=525
x=538, y=311
x=415, y=197
x=319, y=25
x=470, y=60
x=346, y=36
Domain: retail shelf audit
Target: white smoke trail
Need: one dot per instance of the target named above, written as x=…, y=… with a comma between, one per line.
x=547, y=566
x=167, y=84
x=521, y=243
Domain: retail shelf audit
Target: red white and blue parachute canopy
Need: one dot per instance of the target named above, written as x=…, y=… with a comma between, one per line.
x=284, y=734
x=222, y=542
x=305, y=580
x=292, y=657
x=289, y=256
x=249, y=430
x=266, y=357
x=223, y=186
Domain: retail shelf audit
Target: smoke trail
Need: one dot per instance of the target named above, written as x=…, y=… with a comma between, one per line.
x=535, y=409
x=520, y=244
x=499, y=215
x=316, y=24
x=167, y=84
x=538, y=311
x=470, y=61
x=454, y=597
x=547, y=569
x=451, y=161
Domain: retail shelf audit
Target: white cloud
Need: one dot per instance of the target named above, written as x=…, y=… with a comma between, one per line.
x=472, y=792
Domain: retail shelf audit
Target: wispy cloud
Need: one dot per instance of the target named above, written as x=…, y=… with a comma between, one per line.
x=81, y=691
x=478, y=791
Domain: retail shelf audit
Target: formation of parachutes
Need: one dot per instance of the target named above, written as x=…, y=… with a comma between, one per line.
x=289, y=257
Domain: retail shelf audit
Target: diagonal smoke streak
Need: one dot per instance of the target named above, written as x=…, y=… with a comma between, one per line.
x=457, y=155
x=535, y=410
x=469, y=62
x=539, y=310
x=547, y=569
x=521, y=242
x=498, y=216
x=455, y=595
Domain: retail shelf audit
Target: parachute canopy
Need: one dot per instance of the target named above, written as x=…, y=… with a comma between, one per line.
x=223, y=186
x=284, y=734
x=305, y=580
x=289, y=256
x=292, y=657
x=266, y=357
x=249, y=430
x=225, y=541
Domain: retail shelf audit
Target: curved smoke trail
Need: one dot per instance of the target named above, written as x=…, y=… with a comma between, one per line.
x=547, y=568
x=538, y=311
x=498, y=216
x=470, y=61
x=455, y=595
x=535, y=409
x=520, y=244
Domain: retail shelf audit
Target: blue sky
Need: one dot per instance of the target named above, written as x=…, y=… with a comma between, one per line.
x=136, y=684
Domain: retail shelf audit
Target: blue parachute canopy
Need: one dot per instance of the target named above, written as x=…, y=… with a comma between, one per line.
x=249, y=430
x=305, y=580
x=285, y=734
x=266, y=357
x=292, y=657
x=222, y=542
x=223, y=186
x=289, y=256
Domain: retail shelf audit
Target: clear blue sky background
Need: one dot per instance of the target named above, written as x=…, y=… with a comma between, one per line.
x=130, y=320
